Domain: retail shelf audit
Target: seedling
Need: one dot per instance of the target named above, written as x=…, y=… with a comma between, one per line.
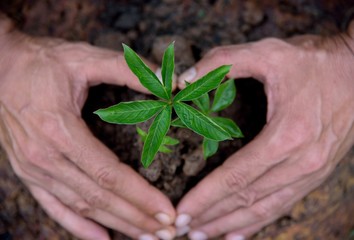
x=213, y=129
x=224, y=96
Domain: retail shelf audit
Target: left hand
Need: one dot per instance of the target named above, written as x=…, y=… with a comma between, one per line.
x=77, y=180
x=309, y=86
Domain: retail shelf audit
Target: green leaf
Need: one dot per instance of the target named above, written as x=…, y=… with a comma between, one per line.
x=203, y=102
x=130, y=112
x=224, y=96
x=164, y=149
x=169, y=141
x=168, y=66
x=141, y=133
x=200, y=123
x=205, y=84
x=146, y=77
x=157, y=132
x=178, y=123
x=209, y=147
x=229, y=126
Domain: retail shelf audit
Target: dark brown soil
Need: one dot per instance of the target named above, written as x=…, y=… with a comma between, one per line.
x=196, y=26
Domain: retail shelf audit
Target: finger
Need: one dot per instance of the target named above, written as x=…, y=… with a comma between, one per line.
x=106, y=66
x=246, y=61
x=73, y=201
x=78, y=205
x=98, y=161
x=35, y=156
x=112, y=222
x=265, y=210
x=97, y=199
x=104, y=168
x=247, y=232
x=67, y=218
x=236, y=174
x=271, y=208
x=303, y=166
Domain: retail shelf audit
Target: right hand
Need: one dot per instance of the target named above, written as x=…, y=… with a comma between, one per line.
x=76, y=179
x=309, y=85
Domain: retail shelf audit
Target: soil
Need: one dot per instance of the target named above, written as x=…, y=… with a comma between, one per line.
x=196, y=26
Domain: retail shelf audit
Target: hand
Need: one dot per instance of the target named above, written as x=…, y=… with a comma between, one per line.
x=310, y=126
x=76, y=179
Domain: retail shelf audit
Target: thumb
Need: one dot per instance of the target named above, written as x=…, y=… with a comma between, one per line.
x=106, y=66
x=247, y=61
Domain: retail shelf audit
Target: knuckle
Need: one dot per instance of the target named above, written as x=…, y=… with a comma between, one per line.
x=220, y=53
x=313, y=162
x=228, y=206
x=274, y=46
x=141, y=220
x=121, y=183
x=274, y=206
x=82, y=208
x=96, y=200
x=234, y=180
x=262, y=212
x=33, y=154
x=272, y=42
x=275, y=49
x=145, y=222
x=106, y=178
x=247, y=197
x=39, y=156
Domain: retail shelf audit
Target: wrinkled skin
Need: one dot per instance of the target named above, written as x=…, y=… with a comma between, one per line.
x=309, y=85
x=74, y=177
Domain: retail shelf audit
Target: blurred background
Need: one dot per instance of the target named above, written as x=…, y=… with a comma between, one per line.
x=196, y=26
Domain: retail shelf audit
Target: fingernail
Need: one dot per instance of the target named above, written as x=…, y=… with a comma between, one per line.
x=197, y=235
x=165, y=234
x=163, y=218
x=147, y=237
x=183, y=220
x=174, y=81
x=182, y=231
x=158, y=74
x=188, y=75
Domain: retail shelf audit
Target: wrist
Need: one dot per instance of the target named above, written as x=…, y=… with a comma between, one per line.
x=11, y=44
x=348, y=38
x=6, y=25
x=343, y=48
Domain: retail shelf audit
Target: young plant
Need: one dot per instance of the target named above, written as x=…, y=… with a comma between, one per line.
x=211, y=128
x=224, y=96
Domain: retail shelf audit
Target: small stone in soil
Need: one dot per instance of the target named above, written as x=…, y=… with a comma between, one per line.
x=194, y=163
